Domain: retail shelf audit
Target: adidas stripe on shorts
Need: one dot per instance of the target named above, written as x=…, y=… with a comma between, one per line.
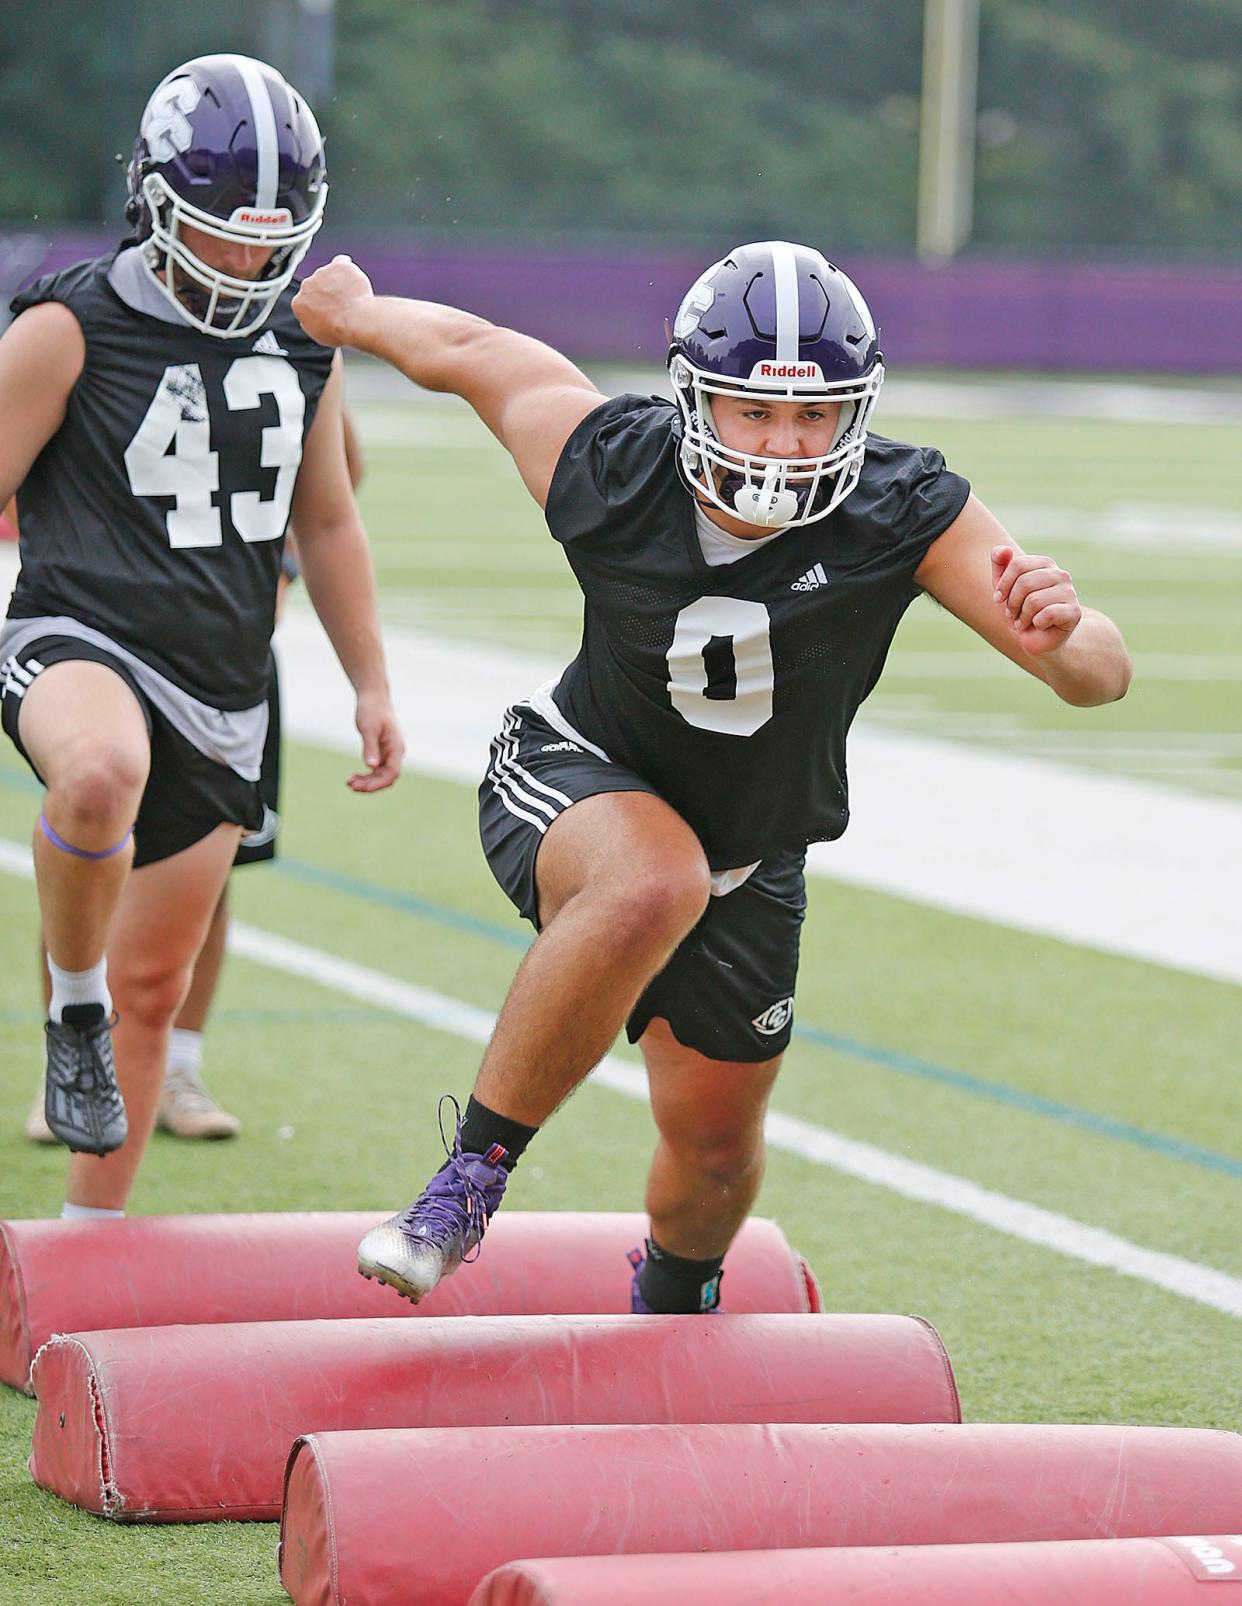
x=728, y=989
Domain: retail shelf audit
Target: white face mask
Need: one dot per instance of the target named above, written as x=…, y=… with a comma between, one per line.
x=230, y=306
x=776, y=492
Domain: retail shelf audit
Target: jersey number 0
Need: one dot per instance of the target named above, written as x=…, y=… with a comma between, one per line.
x=720, y=665
x=171, y=455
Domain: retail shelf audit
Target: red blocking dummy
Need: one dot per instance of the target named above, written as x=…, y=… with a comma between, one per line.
x=159, y=1271
x=186, y=1424
x=425, y=1514
x=1101, y=1572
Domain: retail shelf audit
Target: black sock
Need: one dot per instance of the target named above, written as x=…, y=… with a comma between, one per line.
x=481, y=1128
x=674, y=1286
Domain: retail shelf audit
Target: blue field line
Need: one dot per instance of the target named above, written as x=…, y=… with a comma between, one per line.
x=890, y=1059
x=406, y=903
x=1032, y=1103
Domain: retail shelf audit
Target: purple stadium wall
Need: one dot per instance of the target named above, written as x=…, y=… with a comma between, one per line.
x=1041, y=315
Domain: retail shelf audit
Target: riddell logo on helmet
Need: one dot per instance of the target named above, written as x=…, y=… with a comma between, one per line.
x=786, y=370
x=262, y=220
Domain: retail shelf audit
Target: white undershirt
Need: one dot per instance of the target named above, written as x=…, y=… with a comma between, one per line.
x=719, y=547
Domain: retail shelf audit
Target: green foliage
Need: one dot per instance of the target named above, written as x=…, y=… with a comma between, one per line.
x=1107, y=125
x=1127, y=125
x=518, y=116
x=74, y=77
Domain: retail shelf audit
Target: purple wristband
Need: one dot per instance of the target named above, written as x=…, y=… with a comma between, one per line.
x=81, y=853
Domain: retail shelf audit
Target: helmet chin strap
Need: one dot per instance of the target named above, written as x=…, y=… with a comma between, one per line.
x=764, y=504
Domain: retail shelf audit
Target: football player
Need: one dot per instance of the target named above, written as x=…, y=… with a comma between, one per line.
x=745, y=553
x=186, y=1108
x=163, y=417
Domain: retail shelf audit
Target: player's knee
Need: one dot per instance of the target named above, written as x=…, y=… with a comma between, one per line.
x=665, y=901
x=152, y=995
x=99, y=789
x=725, y=1160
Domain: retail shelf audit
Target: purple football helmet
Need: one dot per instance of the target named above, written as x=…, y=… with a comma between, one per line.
x=228, y=147
x=776, y=321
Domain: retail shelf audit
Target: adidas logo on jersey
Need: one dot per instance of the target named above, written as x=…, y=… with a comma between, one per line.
x=811, y=580
x=267, y=345
x=775, y=1018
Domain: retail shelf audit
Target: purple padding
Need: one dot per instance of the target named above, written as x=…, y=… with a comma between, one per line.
x=1099, y=316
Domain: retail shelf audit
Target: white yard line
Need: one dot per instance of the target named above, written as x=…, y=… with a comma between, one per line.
x=1147, y=526
x=1047, y=1229
x=1126, y=866
x=990, y=399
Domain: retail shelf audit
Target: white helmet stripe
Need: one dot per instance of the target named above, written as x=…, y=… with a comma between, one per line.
x=785, y=271
x=264, y=130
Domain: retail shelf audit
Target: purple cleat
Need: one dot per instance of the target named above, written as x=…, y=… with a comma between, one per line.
x=414, y=1249
x=640, y=1307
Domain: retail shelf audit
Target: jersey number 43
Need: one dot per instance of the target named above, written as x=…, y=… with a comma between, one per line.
x=171, y=455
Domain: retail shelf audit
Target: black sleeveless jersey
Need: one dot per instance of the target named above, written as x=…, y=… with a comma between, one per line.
x=731, y=689
x=157, y=511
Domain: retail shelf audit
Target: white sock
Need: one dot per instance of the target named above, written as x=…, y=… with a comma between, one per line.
x=72, y=1212
x=185, y=1051
x=78, y=987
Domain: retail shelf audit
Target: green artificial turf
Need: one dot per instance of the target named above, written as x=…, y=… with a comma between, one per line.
x=984, y=1052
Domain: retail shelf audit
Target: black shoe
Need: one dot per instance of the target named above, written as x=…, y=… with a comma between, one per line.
x=82, y=1102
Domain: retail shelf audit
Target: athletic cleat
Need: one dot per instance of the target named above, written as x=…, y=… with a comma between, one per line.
x=82, y=1102
x=413, y=1250
x=639, y=1306
x=187, y=1109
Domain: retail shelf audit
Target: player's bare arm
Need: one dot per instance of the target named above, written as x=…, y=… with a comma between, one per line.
x=1026, y=606
x=530, y=397
x=41, y=356
x=340, y=580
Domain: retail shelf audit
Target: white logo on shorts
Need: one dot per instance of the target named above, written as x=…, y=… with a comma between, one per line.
x=560, y=747
x=264, y=832
x=775, y=1018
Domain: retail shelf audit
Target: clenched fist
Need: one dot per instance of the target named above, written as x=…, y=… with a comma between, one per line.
x=328, y=303
x=1038, y=596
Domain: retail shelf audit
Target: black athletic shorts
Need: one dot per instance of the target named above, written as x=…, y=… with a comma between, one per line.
x=728, y=989
x=187, y=794
x=258, y=847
